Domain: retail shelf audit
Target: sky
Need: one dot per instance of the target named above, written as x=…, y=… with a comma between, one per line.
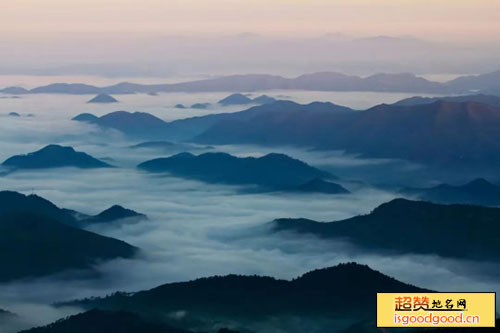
x=423, y=18
x=173, y=38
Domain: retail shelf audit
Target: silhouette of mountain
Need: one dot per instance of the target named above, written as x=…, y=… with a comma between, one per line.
x=323, y=81
x=37, y=239
x=86, y=117
x=201, y=106
x=98, y=321
x=488, y=83
x=240, y=99
x=479, y=98
x=54, y=156
x=67, y=88
x=103, y=98
x=347, y=290
x=180, y=106
x=136, y=125
x=476, y=192
x=14, y=91
x=456, y=135
x=13, y=202
x=236, y=99
x=403, y=226
x=318, y=185
x=274, y=171
x=14, y=114
x=114, y=213
x=264, y=99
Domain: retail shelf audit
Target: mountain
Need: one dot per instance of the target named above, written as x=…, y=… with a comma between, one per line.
x=455, y=135
x=136, y=125
x=273, y=171
x=14, y=91
x=14, y=114
x=488, y=83
x=201, y=106
x=146, y=126
x=263, y=99
x=235, y=99
x=98, y=321
x=240, y=99
x=86, y=117
x=479, y=98
x=54, y=156
x=477, y=192
x=403, y=226
x=323, y=81
x=13, y=202
x=317, y=297
x=103, y=98
x=37, y=240
x=318, y=185
x=114, y=213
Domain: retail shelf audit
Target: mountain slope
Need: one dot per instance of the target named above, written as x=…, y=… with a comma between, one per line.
x=103, y=98
x=403, y=226
x=457, y=135
x=476, y=192
x=136, y=124
x=320, y=296
x=98, y=321
x=491, y=100
x=113, y=213
x=34, y=246
x=37, y=238
x=270, y=171
x=54, y=156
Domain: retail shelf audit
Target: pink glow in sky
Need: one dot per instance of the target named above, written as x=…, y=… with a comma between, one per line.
x=438, y=19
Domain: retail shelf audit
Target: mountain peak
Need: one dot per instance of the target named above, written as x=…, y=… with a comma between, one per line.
x=103, y=98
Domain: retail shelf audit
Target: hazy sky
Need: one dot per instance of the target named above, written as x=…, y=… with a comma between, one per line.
x=173, y=38
x=424, y=18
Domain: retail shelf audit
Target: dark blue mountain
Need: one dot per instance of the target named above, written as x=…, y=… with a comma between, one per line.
x=273, y=171
x=104, y=99
x=54, y=156
x=491, y=100
x=477, y=192
x=137, y=124
x=403, y=226
x=347, y=291
x=37, y=239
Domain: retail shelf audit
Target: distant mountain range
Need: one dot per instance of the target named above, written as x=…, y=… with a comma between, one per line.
x=245, y=302
x=491, y=100
x=139, y=125
x=240, y=99
x=323, y=81
x=455, y=135
x=38, y=238
x=477, y=192
x=404, y=226
x=458, y=136
x=53, y=156
x=103, y=99
x=147, y=126
x=273, y=171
